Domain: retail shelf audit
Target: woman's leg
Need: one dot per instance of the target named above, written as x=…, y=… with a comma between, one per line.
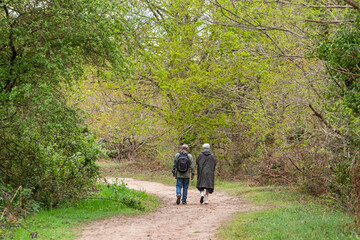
x=206, y=197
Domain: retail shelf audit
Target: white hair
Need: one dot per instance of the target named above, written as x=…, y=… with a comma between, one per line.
x=206, y=146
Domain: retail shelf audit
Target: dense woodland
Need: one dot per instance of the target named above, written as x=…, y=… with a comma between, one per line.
x=273, y=86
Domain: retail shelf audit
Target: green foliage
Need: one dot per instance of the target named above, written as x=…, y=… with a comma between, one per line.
x=340, y=51
x=235, y=74
x=45, y=145
x=184, y=72
x=217, y=72
x=129, y=131
x=52, y=42
x=120, y=193
x=48, y=150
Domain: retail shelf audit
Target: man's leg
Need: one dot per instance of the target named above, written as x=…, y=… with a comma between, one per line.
x=185, y=190
x=179, y=184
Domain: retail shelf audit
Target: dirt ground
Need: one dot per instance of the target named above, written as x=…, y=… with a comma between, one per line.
x=170, y=221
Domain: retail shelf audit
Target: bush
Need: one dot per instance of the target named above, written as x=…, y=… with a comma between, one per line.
x=45, y=147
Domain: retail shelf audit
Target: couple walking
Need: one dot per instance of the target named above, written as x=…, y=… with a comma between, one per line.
x=184, y=166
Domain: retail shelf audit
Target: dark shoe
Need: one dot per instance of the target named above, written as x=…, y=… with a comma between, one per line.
x=201, y=199
x=178, y=199
x=183, y=202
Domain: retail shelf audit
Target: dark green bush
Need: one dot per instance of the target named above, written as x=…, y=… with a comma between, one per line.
x=45, y=147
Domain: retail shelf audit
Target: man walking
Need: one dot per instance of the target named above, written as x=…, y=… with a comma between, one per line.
x=206, y=163
x=182, y=168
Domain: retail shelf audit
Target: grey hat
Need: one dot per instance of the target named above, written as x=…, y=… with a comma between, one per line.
x=184, y=146
x=206, y=146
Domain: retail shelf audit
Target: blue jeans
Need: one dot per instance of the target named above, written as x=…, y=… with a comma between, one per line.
x=182, y=183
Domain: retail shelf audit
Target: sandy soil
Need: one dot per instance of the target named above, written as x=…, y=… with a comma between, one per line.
x=170, y=221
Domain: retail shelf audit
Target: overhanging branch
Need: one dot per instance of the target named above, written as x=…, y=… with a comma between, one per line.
x=353, y=4
x=323, y=120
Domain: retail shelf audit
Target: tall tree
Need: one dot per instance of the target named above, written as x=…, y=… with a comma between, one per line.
x=225, y=69
x=339, y=48
x=44, y=47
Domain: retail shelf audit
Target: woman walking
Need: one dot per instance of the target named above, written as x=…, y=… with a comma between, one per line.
x=206, y=163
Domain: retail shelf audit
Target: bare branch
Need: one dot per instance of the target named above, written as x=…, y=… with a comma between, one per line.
x=300, y=170
x=329, y=22
x=353, y=4
x=137, y=101
x=323, y=120
x=297, y=4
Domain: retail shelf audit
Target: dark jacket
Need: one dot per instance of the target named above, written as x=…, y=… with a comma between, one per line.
x=206, y=163
x=191, y=168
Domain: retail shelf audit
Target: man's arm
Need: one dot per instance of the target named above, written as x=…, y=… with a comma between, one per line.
x=175, y=164
x=192, y=166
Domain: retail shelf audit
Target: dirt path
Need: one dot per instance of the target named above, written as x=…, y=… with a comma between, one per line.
x=170, y=221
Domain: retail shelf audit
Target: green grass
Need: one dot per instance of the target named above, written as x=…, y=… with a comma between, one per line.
x=290, y=215
x=293, y=222
x=267, y=195
x=66, y=221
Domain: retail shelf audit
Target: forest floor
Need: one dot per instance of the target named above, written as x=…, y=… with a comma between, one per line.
x=170, y=221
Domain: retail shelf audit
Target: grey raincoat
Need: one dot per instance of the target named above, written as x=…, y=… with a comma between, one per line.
x=206, y=163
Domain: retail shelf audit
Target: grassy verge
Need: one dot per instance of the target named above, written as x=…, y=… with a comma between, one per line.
x=60, y=223
x=291, y=215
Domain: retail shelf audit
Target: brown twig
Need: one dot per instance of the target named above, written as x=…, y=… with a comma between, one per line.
x=323, y=120
x=295, y=165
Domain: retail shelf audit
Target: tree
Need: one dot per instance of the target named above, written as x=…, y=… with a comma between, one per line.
x=223, y=69
x=340, y=51
x=44, y=47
